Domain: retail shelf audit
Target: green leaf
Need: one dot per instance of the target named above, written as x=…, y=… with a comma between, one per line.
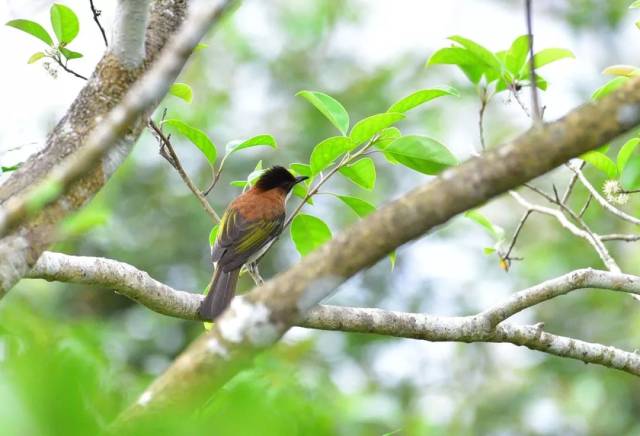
x=420, y=97
x=366, y=128
x=256, y=141
x=329, y=107
x=453, y=56
x=360, y=207
x=70, y=54
x=621, y=70
x=386, y=137
x=181, y=90
x=516, y=57
x=541, y=82
x=300, y=190
x=239, y=183
x=83, y=221
x=33, y=29
x=495, y=231
x=64, y=22
x=200, y=46
x=393, y=256
x=470, y=64
x=308, y=233
x=630, y=178
x=196, y=136
x=625, y=153
x=608, y=87
x=36, y=57
x=327, y=151
x=485, y=55
x=362, y=173
x=421, y=153
x=548, y=55
x=602, y=162
x=301, y=169
x=213, y=234
x=6, y=169
x=635, y=5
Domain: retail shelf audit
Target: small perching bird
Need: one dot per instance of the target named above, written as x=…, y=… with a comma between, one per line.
x=247, y=229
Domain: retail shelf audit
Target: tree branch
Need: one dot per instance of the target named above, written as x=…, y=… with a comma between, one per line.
x=104, y=90
x=143, y=95
x=467, y=329
x=604, y=203
x=585, y=233
x=535, y=104
x=127, y=38
x=96, y=17
x=121, y=126
x=487, y=326
x=63, y=65
x=175, y=162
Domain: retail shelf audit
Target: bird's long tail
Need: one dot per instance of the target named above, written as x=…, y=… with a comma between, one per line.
x=221, y=291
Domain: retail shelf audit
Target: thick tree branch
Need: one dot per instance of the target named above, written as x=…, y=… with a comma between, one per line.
x=142, y=96
x=104, y=90
x=127, y=38
x=118, y=120
x=121, y=277
x=467, y=329
x=487, y=326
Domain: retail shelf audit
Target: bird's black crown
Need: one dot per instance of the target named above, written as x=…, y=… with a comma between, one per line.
x=276, y=177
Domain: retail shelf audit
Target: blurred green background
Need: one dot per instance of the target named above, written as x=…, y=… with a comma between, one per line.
x=72, y=357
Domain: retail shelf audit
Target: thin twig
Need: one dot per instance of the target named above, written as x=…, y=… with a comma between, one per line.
x=214, y=181
x=572, y=184
x=483, y=107
x=604, y=203
x=620, y=237
x=535, y=104
x=507, y=257
x=175, y=162
x=96, y=13
x=586, y=206
x=514, y=92
x=63, y=65
x=584, y=233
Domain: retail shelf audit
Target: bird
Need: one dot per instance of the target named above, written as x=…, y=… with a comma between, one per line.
x=248, y=227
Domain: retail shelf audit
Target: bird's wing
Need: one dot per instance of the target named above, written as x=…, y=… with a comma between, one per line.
x=238, y=238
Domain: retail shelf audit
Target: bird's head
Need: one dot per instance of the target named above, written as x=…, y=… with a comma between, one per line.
x=278, y=177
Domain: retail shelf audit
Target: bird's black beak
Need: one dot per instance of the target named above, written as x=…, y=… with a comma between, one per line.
x=300, y=179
